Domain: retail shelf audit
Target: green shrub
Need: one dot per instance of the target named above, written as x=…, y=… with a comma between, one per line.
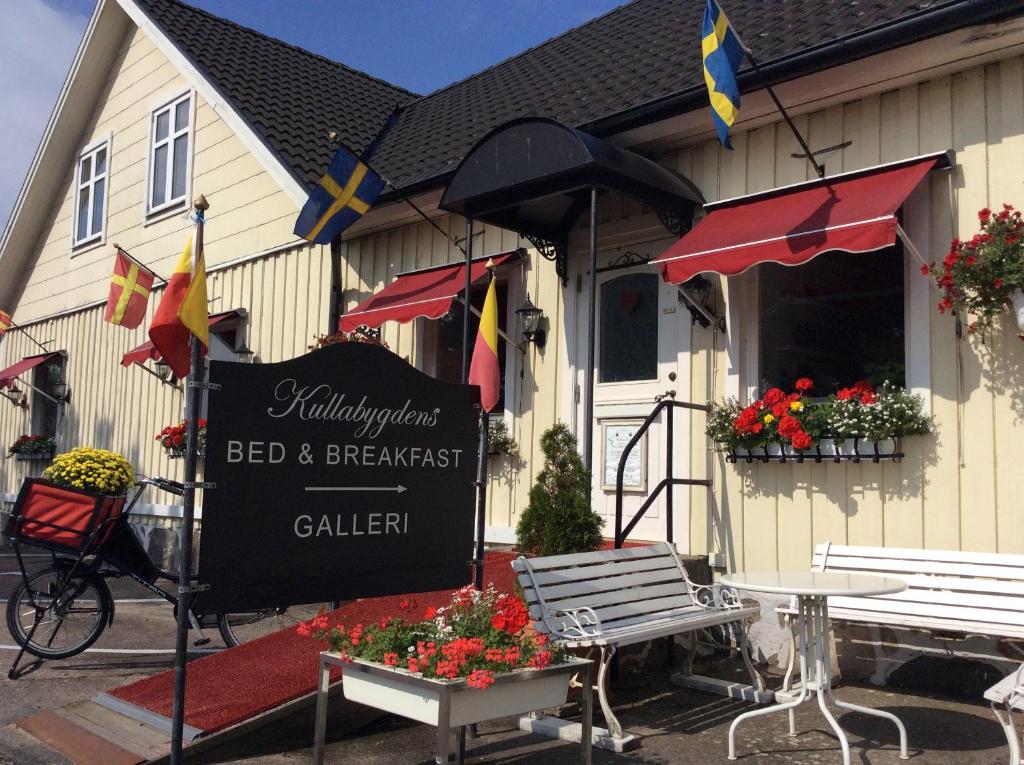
x=558, y=519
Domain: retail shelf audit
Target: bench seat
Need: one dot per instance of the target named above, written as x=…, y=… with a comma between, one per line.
x=613, y=598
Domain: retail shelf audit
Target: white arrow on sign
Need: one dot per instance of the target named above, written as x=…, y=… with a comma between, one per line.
x=397, y=489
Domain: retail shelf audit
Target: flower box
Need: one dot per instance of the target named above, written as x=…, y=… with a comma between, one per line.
x=64, y=519
x=179, y=454
x=33, y=456
x=401, y=692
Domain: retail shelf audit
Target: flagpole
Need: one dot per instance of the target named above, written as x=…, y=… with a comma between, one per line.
x=137, y=262
x=11, y=325
x=481, y=464
x=193, y=403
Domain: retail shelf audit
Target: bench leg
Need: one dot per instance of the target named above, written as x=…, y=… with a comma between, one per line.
x=690, y=655
x=745, y=651
x=1012, y=740
x=614, y=726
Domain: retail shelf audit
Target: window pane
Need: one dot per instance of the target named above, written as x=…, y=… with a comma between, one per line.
x=836, y=319
x=97, y=205
x=162, y=124
x=85, y=173
x=180, y=166
x=629, y=329
x=82, y=229
x=159, y=176
x=181, y=114
x=101, y=161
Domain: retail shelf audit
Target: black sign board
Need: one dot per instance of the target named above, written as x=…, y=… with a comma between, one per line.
x=343, y=473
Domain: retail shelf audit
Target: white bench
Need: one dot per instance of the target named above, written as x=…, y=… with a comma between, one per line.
x=1007, y=697
x=613, y=598
x=949, y=593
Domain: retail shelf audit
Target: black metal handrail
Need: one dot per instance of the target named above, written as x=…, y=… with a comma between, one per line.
x=669, y=406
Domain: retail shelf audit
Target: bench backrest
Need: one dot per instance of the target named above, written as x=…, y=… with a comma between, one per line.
x=623, y=587
x=944, y=585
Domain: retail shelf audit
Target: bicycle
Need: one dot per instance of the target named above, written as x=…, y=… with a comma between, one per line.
x=59, y=611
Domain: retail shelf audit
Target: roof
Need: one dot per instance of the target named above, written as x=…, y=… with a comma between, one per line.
x=292, y=98
x=639, y=54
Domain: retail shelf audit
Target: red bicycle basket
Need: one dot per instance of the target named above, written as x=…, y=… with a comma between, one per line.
x=66, y=518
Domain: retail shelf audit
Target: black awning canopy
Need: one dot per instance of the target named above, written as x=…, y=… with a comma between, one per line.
x=534, y=176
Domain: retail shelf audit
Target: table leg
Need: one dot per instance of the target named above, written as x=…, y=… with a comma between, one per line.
x=789, y=705
x=587, y=715
x=321, y=712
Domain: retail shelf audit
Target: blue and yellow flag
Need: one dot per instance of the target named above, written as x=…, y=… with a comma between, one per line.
x=723, y=53
x=346, y=191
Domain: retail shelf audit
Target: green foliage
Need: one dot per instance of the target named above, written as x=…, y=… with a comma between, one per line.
x=500, y=441
x=559, y=519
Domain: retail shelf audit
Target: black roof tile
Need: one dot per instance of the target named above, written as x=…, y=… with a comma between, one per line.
x=639, y=53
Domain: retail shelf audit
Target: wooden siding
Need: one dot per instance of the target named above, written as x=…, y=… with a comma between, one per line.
x=249, y=213
x=122, y=409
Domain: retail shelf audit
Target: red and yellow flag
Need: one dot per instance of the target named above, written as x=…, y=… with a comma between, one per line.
x=130, y=286
x=484, y=370
x=182, y=311
x=5, y=322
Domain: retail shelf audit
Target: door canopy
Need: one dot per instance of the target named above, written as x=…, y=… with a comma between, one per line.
x=534, y=176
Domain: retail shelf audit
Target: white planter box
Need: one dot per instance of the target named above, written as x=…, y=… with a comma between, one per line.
x=418, y=698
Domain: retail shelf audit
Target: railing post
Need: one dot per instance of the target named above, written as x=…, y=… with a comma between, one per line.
x=669, y=474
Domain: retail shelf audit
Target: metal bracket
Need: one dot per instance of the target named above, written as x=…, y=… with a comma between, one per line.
x=205, y=385
x=199, y=485
x=554, y=251
x=673, y=221
x=193, y=588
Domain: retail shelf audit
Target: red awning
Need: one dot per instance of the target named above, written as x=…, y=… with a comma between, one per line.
x=147, y=351
x=7, y=376
x=853, y=212
x=428, y=293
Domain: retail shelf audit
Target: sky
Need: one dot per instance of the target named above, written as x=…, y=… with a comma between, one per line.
x=419, y=44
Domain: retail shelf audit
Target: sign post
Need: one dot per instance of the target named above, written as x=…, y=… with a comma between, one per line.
x=193, y=403
x=343, y=473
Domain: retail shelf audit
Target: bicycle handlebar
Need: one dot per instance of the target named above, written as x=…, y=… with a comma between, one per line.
x=164, y=484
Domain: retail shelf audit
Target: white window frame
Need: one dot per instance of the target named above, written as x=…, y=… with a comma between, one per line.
x=743, y=313
x=90, y=240
x=170, y=106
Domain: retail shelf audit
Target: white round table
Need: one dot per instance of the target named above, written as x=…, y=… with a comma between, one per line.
x=812, y=591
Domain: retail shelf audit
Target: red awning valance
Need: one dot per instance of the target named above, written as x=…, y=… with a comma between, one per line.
x=140, y=354
x=853, y=212
x=14, y=370
x=428, y=293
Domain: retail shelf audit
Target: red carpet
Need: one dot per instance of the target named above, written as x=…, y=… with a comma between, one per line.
x=225, y=688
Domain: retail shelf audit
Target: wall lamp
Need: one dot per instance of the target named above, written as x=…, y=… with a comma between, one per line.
x=162, y=369
x=529, y=321
x=17, y=397
x=696, y=294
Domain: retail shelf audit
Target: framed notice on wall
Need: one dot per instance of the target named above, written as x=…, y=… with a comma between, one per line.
x=615, y=436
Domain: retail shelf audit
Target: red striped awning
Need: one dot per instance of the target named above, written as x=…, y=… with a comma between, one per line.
x=428, y=293
x=852, y=212
x=148, y=352
x=14, y=370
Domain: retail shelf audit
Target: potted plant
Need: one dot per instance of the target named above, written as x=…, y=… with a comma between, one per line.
x=500, y=441
x=172, y=439
x=28, y=447
x=892, y=414
x=75, y=503
x=361, y=335
x=477, y=650
x=985, y=275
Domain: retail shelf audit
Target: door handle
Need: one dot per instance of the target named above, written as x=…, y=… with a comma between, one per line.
x=667, y=394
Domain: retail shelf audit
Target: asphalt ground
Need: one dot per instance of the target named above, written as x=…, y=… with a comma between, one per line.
x=678, y=725
x=139, y=643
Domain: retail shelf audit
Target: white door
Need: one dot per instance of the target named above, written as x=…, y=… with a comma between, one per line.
x=642, y=337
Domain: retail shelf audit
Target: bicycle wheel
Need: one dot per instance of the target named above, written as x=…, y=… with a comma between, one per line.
x=240, y=628
x=67, y=614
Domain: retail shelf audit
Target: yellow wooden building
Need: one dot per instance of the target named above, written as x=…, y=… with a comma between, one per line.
x=165, y=101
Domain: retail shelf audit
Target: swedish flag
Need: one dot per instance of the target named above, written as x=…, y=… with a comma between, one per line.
x=347, y=190
x=722, y=52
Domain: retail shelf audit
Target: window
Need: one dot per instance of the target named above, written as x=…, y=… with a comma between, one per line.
x=47, y=379
x=445, y=338
x=91, y=194
x=169, y=157
x=837, y=319
x=628, y=345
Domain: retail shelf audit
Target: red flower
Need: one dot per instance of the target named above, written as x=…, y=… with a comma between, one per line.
x=480, y=678
x=845, y=394
x=789, y=425
x=781, y=410
x=801, y=440
x=430, y=613
x=804, y=384
x=997, y=282
x=773, y=396
x=925, y=270
x=984, y=214
x=391, y=660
